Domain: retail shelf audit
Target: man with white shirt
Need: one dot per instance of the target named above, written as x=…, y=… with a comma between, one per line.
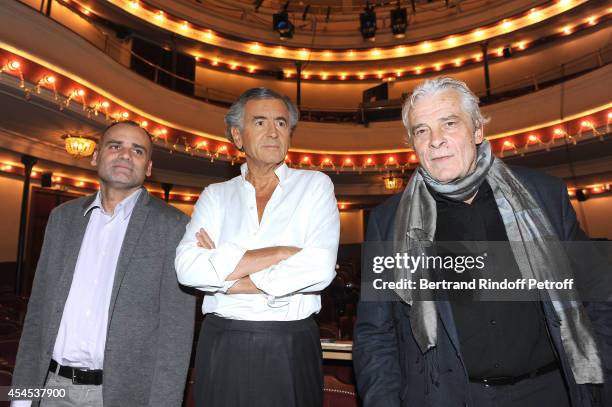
x=262, y=246
x=107, y=320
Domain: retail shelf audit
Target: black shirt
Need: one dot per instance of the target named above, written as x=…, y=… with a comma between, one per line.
x=496, y=338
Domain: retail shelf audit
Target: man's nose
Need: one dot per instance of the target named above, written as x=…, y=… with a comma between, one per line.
x=273, y=130
x=437, y=139
x=125, y=153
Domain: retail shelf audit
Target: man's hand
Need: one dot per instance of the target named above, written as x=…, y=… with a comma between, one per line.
x=204, y=240
x=244, y=286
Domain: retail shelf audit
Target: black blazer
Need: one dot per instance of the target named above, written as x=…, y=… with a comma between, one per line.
x=389, y=366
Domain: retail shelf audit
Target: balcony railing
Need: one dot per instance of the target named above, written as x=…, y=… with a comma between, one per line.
x=388, y=110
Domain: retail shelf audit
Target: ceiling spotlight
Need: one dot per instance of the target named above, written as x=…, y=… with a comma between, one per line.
x=368, y=23
x=507, y=51
x=582, y=195
x=399, y=21
x=281, y=24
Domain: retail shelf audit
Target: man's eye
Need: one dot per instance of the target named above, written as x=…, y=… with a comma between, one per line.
x=139, y=152
x=259, y=123
x=450, y=124
x=282, y=123
x=419, y=132
x=113, y=147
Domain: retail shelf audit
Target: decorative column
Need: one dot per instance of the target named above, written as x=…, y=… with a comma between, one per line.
x=28, y=164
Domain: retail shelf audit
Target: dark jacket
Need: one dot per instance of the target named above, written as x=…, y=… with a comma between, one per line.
x=390, y=368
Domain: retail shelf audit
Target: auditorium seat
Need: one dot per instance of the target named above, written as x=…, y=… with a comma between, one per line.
x=5, y=380
x=9, y=329
x=188, y=396
x=8, y=353
x=329, y=331
x=338, y=394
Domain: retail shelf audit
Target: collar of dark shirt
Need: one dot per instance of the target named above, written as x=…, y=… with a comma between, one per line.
x=484, y=192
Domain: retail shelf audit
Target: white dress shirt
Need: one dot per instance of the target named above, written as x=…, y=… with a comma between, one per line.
x=81, y=338
x=302, y=212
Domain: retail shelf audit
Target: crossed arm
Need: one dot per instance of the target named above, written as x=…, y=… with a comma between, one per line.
x=228, y=267
x=251, y=262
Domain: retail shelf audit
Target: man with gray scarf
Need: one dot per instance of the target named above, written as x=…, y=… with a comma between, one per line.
x=414, y=351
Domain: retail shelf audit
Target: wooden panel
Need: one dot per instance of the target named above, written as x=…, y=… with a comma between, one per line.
x=42, y=202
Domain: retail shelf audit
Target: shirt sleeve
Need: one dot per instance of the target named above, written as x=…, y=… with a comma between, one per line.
x=314, y=267
x=206, y=269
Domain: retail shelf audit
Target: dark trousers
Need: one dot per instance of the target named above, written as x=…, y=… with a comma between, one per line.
x=258, y=363
x=547, y=390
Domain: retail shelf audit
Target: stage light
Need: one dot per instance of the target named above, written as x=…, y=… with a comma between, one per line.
x=368, y=23
x=399, y=21
x=282, y=25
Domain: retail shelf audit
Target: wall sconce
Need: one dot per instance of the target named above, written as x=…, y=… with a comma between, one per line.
x=79, y=146
x=393, y=183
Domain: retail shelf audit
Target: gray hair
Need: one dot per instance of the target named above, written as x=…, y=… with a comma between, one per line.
x=235, y=115
x=469, y=100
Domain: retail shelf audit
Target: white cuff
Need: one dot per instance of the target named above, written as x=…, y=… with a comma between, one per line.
x=225, y=260
x=227, y=285
x=21, y=403
x=259, y=277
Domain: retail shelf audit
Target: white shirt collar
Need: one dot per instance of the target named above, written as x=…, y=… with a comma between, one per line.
x=282, y=172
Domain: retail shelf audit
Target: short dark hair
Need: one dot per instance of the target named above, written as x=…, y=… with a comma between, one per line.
x=131, y=123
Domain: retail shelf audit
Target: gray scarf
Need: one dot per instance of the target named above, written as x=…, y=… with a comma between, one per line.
x=540, y=255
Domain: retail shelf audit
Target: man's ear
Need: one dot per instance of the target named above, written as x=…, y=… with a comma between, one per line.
x=237, y=137
x=149, y=168
x=94, y=158
x=478, y=135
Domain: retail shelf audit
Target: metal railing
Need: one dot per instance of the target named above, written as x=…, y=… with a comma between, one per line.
x=122, y=52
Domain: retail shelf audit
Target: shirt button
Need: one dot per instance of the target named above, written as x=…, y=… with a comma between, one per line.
x=496, y=365
x=493, y=322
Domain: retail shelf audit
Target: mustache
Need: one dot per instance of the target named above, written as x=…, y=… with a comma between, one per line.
x=122, y=163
